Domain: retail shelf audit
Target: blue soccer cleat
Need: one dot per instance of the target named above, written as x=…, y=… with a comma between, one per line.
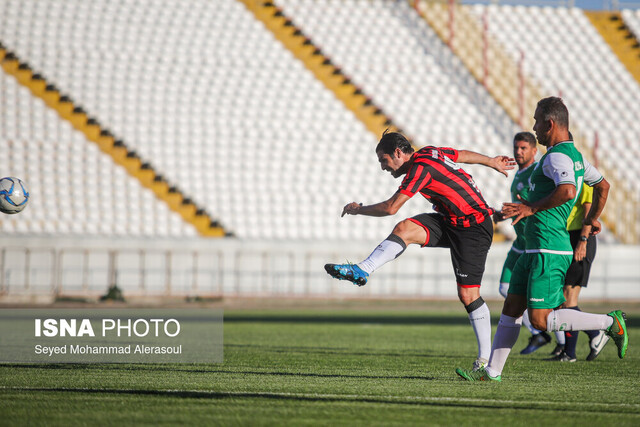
x=350, y=272
x=536, y=341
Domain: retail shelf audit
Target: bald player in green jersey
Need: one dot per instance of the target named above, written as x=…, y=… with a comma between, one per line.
x=538, y=277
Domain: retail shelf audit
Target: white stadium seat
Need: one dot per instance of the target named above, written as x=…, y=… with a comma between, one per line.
x=601, y=94
x=224, y=111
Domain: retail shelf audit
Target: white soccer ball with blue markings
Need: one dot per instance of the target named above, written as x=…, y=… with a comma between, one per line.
x=14, y=195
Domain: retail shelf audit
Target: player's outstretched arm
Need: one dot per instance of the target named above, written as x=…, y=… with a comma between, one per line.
x=500, y=163
x=388, y=207
x=562, y=194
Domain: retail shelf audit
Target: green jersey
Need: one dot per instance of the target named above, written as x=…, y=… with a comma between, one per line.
x=546, y=231
x=520, y=187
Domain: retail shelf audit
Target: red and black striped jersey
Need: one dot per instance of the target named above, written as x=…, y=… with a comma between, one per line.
x=435, y=174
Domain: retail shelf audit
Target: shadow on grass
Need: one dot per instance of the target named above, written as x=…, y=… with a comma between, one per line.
x=387, y=319
x=299, y=397
x=350, y=319
x=203, y=370
x=339, y=351
x=563, y=408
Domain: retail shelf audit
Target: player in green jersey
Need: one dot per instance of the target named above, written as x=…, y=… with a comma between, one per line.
x=538, y=277
x=524, y=152
x=577, y=277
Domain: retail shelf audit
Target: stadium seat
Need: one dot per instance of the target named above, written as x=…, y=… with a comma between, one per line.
x=581, y=68
x=224, y=111
x=632, y=20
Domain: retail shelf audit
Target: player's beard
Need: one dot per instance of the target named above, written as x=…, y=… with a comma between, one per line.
x=402, y=170
x=543, y=139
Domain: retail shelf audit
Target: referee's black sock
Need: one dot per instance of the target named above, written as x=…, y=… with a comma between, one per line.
x=571, y=339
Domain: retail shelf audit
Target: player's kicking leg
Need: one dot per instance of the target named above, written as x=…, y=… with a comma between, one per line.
x=350, y=272
x=404, y=233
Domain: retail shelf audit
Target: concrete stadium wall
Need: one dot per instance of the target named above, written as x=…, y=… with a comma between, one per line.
x=39, y=268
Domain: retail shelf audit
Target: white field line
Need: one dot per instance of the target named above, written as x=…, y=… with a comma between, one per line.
x=327, y=396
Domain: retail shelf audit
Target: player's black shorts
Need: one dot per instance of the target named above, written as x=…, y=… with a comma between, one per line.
x=468, y=245
x=578, y=272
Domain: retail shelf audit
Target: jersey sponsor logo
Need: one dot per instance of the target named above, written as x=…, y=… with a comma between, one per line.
x=578, y=165
x=472, y=183
x=453, y=165
x=520, y=186
x=536, y=299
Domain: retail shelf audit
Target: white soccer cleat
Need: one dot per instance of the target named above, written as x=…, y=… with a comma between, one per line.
x=597, y=344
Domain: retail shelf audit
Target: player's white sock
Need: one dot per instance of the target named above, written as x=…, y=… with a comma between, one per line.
x=526, y=322
x=572, y=320
x=504, y=340
x=503, y=289
x=480, y=319
x=560, y=338
x=388, y=250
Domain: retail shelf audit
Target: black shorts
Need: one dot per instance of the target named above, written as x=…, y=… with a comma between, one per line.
x=578, y=272
x=469, y=245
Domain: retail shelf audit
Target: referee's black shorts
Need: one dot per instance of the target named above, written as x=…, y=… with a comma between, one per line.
x=469, y=246
x=578, y=272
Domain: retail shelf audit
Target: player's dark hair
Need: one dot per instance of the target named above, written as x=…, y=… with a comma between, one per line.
x=552, y=108
x=392, y=140
x=527, y=137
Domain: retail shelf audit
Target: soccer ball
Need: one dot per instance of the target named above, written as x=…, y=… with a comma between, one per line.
x=14, y=195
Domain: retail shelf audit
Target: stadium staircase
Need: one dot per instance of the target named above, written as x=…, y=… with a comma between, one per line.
x=623, y=43
x=465, y=37
x=117, y=149
x=304, y=49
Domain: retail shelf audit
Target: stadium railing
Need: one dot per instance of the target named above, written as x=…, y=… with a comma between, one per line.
x=517, y=93
x=40, y=269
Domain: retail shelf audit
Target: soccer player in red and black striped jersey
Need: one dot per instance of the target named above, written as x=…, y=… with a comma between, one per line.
x=462, y=221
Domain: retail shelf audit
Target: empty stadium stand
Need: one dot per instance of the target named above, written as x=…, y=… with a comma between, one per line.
x=598, y=89
x=228, y=114
x=75, y=188
x=631, y=19
x=619, y=37
x=216, y=103
x=393, y=55
x=601, y=94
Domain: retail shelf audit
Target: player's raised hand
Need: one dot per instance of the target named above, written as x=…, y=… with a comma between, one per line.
x=503, y=164
x=351, y=209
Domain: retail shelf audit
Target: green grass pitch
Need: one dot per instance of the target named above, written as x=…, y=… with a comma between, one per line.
x=340, y=363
